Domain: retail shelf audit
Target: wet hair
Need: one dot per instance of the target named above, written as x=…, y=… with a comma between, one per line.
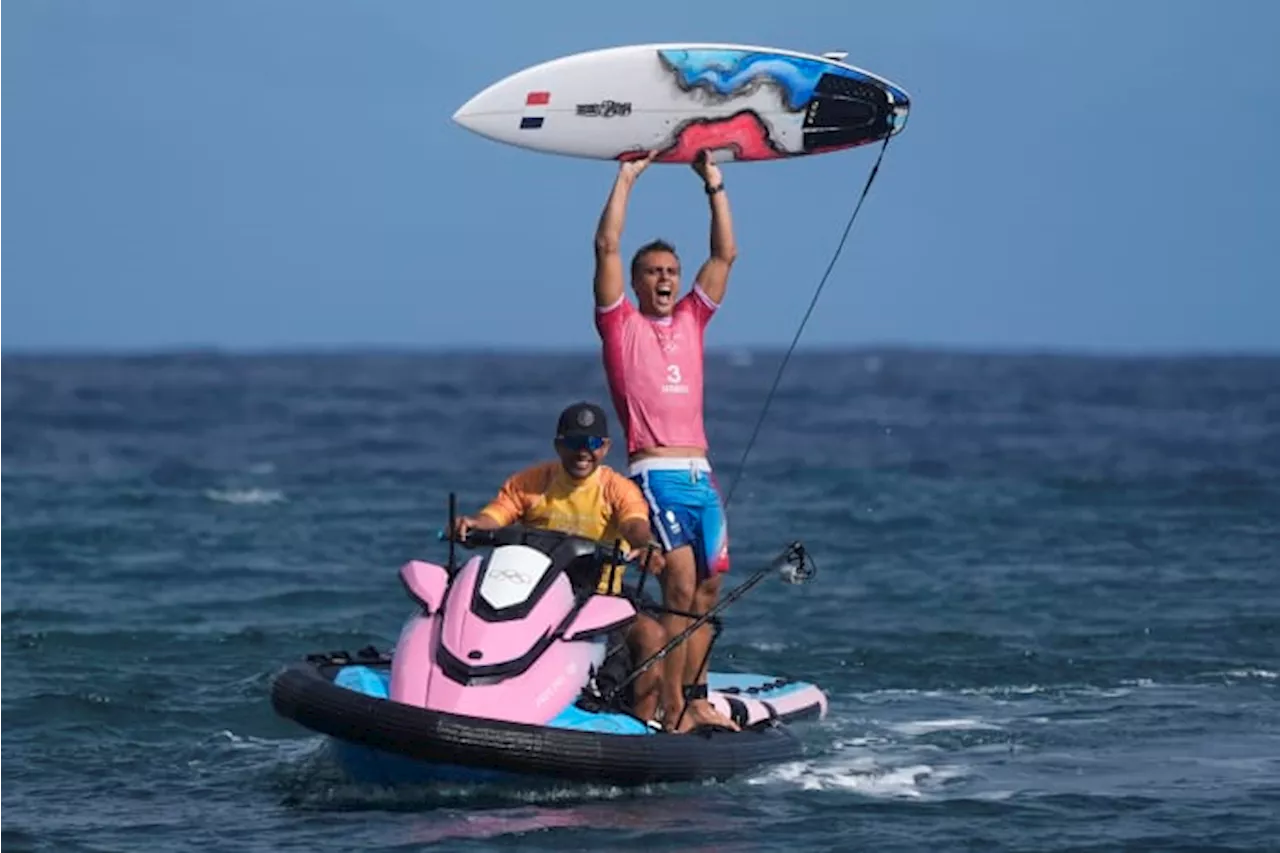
x=651, y=246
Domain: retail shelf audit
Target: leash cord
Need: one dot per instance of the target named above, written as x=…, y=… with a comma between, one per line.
x=812, y=304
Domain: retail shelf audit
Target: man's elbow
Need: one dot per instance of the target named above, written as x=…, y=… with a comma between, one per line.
x=726, y=254
x=636, y=533
x=607, y=244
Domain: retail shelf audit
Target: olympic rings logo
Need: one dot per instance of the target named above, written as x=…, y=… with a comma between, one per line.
x=511, y=576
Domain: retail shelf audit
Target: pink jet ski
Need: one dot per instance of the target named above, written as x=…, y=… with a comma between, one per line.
x=504, y=669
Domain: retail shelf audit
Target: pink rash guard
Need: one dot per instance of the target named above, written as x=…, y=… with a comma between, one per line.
x=654, y=369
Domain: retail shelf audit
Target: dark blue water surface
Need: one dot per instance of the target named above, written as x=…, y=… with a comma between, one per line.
x=1047, y=613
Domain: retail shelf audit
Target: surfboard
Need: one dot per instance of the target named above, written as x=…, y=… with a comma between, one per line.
x=744, y=102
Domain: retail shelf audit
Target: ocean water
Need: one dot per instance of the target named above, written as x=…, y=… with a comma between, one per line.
x=1047, y=612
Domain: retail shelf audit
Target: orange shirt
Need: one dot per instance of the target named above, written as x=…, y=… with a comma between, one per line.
x=546, y=497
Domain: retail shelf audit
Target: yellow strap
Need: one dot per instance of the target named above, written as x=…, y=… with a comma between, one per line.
x=610, y=582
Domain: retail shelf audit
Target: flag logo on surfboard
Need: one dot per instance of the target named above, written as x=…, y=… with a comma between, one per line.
x=535, y=104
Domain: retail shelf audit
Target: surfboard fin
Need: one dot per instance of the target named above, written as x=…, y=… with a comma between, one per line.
x=835, y=55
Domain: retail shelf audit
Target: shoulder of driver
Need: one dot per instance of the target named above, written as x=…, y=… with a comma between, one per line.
x=624, y=496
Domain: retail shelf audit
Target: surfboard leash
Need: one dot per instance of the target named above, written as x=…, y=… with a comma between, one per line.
x=742, y=463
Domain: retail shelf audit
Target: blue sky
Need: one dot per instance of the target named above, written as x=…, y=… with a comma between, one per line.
x=261, y=174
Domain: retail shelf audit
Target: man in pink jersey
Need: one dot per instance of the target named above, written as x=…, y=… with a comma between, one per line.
x=653, y=362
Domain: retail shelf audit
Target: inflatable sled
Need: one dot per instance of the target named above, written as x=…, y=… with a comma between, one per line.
x=510, y=668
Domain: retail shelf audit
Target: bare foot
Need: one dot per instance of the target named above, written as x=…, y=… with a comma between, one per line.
x=702, y=713
x=669, y=717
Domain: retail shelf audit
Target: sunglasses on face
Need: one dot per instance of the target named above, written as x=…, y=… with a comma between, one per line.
x=581, y=442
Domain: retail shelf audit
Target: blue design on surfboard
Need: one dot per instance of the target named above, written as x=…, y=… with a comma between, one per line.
x=729, y=71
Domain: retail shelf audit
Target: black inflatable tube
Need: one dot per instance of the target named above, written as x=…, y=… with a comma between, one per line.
x=303, y=694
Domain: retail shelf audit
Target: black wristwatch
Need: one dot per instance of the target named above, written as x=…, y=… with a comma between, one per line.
x=713, y=190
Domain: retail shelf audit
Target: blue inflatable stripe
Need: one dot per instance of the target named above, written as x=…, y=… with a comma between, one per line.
x=574, y=717
x=362, y=679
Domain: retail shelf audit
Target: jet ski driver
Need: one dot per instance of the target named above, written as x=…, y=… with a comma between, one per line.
x=578, y=495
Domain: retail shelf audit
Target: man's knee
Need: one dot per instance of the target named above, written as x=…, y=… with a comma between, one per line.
x=647, y=635
x=708, y=591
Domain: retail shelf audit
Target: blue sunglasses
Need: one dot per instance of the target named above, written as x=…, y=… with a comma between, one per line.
x=580, y=442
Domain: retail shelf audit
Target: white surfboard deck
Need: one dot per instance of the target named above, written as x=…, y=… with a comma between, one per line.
x=743, y=102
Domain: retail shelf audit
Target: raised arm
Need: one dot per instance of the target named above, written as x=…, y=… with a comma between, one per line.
x=609, y=279
x=713, y=277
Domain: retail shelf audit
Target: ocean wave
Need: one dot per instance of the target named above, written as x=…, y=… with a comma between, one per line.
x=245, y=497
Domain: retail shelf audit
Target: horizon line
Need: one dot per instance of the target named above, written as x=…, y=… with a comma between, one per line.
x=866, y=349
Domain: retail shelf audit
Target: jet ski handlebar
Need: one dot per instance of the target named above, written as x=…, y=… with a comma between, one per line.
x=551, y=542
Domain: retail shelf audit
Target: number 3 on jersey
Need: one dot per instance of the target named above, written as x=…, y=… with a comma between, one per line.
x=673, y=373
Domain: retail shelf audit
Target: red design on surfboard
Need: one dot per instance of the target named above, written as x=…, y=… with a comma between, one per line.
x=744, y=132
x=537, y=99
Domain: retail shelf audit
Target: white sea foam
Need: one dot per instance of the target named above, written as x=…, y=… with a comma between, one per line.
x=245, y=496
x=916, y=728
x=864, y=774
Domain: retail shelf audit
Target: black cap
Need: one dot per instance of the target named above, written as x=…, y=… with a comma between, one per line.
x=582, y=419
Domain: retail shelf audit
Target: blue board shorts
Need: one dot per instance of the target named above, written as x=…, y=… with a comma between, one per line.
x=685, y=508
